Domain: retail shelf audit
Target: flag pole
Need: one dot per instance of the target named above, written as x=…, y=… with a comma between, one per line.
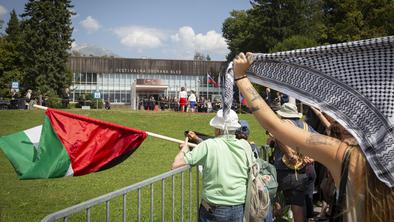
x=149, y=133
x=169, y=139
x=40, y=107
x=207, y=86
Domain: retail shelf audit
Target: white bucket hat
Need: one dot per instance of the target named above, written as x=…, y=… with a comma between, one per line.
x=289, y=110
x=231, y=123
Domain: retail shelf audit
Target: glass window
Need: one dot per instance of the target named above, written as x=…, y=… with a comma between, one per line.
x=77, y=77
x=89, y=78
x=123, y=96
x=116, y=96
x=94, y=77
x=106, y=95
x=112, y=97
x=83, y=78
x=128, y=97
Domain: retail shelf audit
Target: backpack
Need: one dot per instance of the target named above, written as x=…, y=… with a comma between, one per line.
x=268, y=171
x=262, y=185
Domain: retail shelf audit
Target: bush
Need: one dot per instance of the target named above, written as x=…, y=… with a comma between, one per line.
x=82, y=102
x=73, y=105
x=54, y=102
x=93, y=104
x=88, y=100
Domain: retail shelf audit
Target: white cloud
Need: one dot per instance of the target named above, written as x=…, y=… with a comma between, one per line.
x=74, y=45
x=87, y=49
x=209, y=43
x=140, y=37
x=90, y=24
x=181, y=44
x=3, y=11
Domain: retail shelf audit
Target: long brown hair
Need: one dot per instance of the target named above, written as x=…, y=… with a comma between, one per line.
x=379, y=198
x=379, y=202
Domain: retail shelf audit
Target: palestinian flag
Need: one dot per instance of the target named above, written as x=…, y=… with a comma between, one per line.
x=69, y=145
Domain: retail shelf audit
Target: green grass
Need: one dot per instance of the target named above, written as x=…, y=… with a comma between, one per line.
x=32, y=200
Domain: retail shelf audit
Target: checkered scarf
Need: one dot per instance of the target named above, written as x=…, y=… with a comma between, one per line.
x=227, y=91
x=351, y=82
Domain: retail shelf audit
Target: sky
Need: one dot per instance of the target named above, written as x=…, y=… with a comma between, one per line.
x=158, y=29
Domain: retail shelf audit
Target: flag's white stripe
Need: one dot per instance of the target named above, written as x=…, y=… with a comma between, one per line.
x=70, y=171
x=34, y=135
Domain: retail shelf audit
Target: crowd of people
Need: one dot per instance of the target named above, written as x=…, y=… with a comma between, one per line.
x=26, y=101
x=186, y=103
x=350, y=190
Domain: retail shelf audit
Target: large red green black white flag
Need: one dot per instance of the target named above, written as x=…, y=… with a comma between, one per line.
x=69, y=145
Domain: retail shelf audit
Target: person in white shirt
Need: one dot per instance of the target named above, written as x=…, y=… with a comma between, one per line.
x=192, y=102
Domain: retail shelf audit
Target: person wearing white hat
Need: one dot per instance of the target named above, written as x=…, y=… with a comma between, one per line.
x=225, y=170
x=289, y=110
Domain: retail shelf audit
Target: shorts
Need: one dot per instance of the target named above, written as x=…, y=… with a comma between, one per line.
x=192, y=105
x=293, y=188
x=182, y=101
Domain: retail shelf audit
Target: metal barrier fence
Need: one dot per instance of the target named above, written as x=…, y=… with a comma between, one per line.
x=106, y=198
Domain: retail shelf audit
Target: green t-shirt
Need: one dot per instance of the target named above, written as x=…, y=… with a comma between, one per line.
x=225, y=170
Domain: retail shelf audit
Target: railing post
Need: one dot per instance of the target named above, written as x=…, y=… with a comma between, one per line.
x=151, y=203
x=139, y=205
x=190, y=194
x=88, y=215
x=162, y=200
x=198, y=189
x=182, y=195
x=124, y=207
x=106, y=198
x=173, y=199
x=107, y=215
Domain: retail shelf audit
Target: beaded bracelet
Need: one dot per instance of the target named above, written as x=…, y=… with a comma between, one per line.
x=239, y=78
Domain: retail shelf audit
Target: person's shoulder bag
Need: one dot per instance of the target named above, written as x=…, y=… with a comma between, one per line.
x=257, y=194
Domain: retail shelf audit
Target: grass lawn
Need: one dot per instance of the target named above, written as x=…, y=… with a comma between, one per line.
x=32, y=200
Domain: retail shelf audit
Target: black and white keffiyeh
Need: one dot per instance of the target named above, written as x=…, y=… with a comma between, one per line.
x=352, y=82
x=227, y=91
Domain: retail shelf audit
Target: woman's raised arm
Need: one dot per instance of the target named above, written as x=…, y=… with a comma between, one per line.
x=324, y=149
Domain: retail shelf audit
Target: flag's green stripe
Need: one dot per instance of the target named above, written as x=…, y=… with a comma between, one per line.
x=19, y=151
x=49, y=160
x=52, y=158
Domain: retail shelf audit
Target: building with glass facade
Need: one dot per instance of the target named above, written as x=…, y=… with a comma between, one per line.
x=127, y=81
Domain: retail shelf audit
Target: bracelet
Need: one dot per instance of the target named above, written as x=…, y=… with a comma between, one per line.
x=184, y=153
x=239, y=78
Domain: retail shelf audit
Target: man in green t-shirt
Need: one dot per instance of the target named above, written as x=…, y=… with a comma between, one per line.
x=225, y=170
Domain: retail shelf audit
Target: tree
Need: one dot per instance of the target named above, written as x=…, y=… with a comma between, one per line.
x=269, y=22
x=272, y=25
x=13, y=30
x=15, y=44
x=294, y=42
x=8, y=70
x=11, y=65
x=280, y=25
x=238, y=34
x=349, y=20
x=47, y=39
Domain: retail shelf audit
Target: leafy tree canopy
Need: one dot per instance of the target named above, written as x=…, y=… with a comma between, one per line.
x=47, y=39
